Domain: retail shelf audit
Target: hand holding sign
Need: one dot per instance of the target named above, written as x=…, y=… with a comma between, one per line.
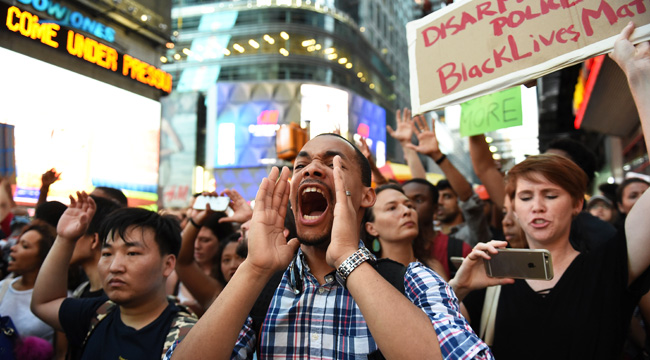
x=633, y=60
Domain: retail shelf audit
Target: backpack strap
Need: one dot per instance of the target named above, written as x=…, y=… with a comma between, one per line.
x=393, y=272
x=454, y=248
x=100, y=314
x=261, y=306
x=181, y=324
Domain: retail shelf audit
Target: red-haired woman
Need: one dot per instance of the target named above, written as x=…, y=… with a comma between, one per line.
x=562, y=318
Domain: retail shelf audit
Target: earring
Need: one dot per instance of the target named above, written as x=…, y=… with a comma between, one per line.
x=376, y=245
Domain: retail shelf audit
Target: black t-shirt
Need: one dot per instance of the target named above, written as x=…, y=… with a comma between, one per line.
x=585, y=316
x=111, y=339
x=74, y=352
x=589, y=232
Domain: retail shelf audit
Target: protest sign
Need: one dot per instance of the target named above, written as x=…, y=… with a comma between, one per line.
x=491, y=112
x=476, y=47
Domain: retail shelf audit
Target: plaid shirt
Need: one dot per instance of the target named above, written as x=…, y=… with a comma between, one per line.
x=323, y=321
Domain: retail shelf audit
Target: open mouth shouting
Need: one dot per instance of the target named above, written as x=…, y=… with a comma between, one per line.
x=313, y=200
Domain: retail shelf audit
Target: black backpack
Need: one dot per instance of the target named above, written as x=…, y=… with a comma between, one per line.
x=454, y=248
x=390, y=270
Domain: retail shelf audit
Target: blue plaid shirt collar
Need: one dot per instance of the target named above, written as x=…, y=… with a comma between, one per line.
x=299, y=271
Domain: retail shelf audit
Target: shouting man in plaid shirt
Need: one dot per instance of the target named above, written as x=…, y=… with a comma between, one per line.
x=331, y=302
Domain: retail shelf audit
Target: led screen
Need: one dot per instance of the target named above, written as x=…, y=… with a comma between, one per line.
x=95, y=134
x=368, y=120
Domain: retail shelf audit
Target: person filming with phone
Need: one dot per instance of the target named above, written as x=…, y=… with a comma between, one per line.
x=544, y=189
x=584, y=311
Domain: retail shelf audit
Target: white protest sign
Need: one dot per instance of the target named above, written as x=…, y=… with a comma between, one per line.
x=476, y=47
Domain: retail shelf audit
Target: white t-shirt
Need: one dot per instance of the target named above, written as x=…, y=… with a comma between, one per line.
x=16, y=305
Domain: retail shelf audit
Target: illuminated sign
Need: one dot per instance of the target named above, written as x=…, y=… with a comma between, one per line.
x=73, y=19
x=268, y=117
x=27, y=24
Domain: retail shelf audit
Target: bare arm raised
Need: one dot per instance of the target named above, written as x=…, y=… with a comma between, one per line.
x=48, y=178
x=203, y=287
x=268, y=252
x=242, y=212
x=429, y=146
x=635, y=62
x=486, y=170
x=52, y=282
x=376, y=174
x=403, y=134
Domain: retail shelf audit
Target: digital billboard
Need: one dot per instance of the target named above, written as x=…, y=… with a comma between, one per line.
x=368, y=120
x=93, y=133
x=242, y=119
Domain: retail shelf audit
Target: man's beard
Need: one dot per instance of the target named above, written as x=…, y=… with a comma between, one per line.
x=447, y=217
x=321, y=242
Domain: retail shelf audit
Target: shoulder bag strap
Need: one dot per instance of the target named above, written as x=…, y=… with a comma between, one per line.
x=5, y=286
x=489, y=313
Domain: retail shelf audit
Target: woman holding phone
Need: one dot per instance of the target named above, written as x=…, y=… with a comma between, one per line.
x=585, y=310
x=557, y=318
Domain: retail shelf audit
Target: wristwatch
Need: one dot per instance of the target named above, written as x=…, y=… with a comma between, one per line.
x=348, y=265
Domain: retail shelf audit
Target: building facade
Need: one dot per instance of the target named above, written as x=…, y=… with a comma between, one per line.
x=261, y=64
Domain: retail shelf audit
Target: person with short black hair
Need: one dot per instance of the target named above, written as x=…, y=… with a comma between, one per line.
x=576, y=152
x=628, y=192
x=311, y=313
x=431, y=243
x=50, y=212
x=88, y=250
x=139, y=250
x=460, y=210
x=112, y=194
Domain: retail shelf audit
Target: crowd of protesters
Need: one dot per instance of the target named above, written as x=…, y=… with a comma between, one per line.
x=331, y=266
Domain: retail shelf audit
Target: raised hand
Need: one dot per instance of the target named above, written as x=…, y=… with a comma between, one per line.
x=50, y=177
x=268, y=249
x=404, y=131
x=345, y=229
x=242, y=212
x=633, y=60
x=75, y=220
x=427, y=140
x=365, y=150
x=199, y=216
x=471, y=274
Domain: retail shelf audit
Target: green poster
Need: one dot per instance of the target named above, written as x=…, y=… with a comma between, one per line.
x=491, y=112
